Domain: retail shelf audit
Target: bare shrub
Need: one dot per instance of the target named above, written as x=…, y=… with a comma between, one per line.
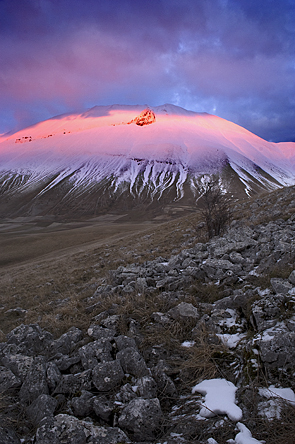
x=215, y=206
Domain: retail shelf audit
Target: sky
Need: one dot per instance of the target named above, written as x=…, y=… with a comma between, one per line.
x=231, y=58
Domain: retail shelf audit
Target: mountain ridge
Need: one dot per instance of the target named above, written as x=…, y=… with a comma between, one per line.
x=110, y=153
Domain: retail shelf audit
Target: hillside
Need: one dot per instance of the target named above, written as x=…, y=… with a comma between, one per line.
x=122, y=340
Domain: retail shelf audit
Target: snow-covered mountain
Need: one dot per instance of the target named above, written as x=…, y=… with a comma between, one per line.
x=122, y=157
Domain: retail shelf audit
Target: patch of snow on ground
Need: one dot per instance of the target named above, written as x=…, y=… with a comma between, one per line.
x=188, y=344
x=285, y=394
x=269, y=333
x=219, y=398
x=269, y=409
x=245, y=436
x=231, y=340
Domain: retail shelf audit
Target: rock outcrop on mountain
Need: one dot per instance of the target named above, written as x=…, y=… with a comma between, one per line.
x=121, y=381
x=145, y=118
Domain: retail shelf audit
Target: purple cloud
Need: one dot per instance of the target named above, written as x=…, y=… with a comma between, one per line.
x=234, y=58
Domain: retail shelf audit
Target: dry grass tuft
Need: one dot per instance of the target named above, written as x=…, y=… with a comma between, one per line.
x=202, y=360
x=278, y=430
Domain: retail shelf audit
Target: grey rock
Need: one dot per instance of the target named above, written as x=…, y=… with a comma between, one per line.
x=125, y=342
x=166, y=282
x=236, y=258
x=8, y=380
x=141, y=417
x=15, y=312
x=102, y=289
x=35, y=383
x=290, y=323
x=281, y=285
x=266, y=311
x=129, y=288
x=105, y=435
x=47, y=433
x=184, y=311
x=8, y=436
x=188, y=262
x=67, y=341
x=103, y=407
x=141, y=284
x=160, y=318
x=83, y=405
x=164, y=382
x=94, y=352
x=70, y=384
x=18, y=364
x=291, y=278
x=132, y=362
x=111, y=322
x=222, y=265
x=279, y=352
x=44, y=406
x=53, y=375
x=107, y=375
x=64, y=362
x=126, y=394
x=147, y=387
x=62, y=429
x=30, y=339
x=98, y=332
x=224, y=303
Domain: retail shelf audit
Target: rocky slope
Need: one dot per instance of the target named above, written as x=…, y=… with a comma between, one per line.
x=221, y=312
x=119, y=158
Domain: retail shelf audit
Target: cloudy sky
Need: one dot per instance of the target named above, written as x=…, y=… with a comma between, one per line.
x=232, y=58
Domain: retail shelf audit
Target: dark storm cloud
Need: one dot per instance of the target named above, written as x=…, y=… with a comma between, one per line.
x=233, y=58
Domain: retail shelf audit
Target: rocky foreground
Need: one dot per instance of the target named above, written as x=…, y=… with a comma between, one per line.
x=221, y=310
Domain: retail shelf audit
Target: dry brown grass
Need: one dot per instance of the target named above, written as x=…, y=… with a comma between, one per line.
x=59, y=282
x=53, y=287
x=202, y=360
x=278, y=430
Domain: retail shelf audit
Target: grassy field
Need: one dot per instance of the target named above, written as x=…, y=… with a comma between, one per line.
x=49, y=269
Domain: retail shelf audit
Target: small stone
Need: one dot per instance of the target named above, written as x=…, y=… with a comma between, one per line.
x=281, y=285
x=98, y=332
x=70, y=384
x=35, y=383
x=291, y=278
x=64, y=362
x=19, y=364
x=107, y=375
x=147, y=387
x=83, y=405
x=126, y=393
x=184, y=311
x=125, y=342
x=53, y=375
x=103, y=407
x=30, y=339
x=132, y=362
x=140, y=418
x=41, y=408
x=8, y=380
x=94, y=352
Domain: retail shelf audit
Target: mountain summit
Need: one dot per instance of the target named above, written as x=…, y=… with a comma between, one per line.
x=118, y=158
